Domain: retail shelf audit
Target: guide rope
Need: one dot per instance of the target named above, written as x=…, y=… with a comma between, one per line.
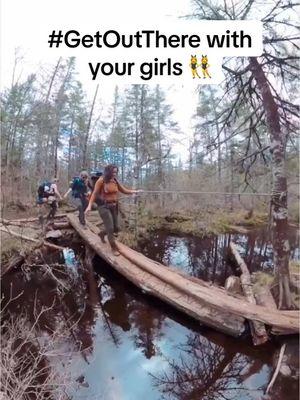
x=193, y=192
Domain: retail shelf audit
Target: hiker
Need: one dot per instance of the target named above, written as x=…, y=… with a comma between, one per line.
x=47, y=193
x=106, y=195
x=80, y=188
x=95, y=175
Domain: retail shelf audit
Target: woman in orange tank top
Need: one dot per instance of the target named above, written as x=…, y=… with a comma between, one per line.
x=105, y=193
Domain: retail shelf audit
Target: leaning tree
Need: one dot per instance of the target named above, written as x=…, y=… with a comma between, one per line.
x=265, y=85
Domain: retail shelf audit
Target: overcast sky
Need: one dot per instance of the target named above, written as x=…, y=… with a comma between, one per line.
x=26, y=24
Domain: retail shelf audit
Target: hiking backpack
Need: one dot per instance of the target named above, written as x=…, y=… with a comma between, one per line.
x=44, y=189
x=78, y=187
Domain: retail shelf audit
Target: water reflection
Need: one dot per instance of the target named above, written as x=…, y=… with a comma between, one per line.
x=207, y=258
x=37, y=288
x=206, y=370
x=136, y=347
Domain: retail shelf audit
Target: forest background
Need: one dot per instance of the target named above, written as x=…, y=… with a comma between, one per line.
x=243, y=135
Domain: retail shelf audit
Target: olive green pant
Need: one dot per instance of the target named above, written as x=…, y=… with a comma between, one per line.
x=109, y=217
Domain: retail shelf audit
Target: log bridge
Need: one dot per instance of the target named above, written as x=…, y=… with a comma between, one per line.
x=211, y=305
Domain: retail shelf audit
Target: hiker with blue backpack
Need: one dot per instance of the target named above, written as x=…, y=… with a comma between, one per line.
x=47, y=194
x=81, y=189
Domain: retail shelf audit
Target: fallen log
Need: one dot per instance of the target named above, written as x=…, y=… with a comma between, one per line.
x=15, y=262
x=281, y=353
x=264, y=298
x=14, y=223
x=221, y=299
x=30, y=239
x=204, y=294
x=33, y=219
x=17, y=235
x=258, y=331
x=151, y=284
x=61, y=225
x=238, y=229
x=217, y=289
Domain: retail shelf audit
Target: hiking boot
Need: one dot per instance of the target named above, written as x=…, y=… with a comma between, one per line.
x=114, y=249
x=102, y=236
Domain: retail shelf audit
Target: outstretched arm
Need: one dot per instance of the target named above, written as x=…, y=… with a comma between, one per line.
x=125, y=190
x=67, y=193
x=57, y=192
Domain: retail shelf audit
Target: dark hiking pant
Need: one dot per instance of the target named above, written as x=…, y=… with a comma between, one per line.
x=53, y=209
x=81, y=204
x=109, y=215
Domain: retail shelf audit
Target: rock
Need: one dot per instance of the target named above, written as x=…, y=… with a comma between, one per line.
x=53, y=234
x=80, y=379
x=290, y=362
x=285, y=370
x=233, y=285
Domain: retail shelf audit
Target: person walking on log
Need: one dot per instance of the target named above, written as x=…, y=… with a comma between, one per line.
x=80, y=188
x=105, y=194
x=47, y=194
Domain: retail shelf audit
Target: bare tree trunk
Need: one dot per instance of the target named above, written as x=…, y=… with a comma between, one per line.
x=279, y=191
x=218, y=133
x=60, y=102
x=43, y=125
x=86, y=138
x=70, y=148
x=231, y=176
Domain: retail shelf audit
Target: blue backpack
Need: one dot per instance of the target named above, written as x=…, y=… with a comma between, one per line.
x=78, y=187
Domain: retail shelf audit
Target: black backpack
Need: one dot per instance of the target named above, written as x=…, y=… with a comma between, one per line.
x=44, y=189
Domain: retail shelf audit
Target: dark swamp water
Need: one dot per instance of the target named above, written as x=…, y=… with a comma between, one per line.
x=129, y=346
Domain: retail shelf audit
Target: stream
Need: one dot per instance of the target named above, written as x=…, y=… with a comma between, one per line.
x=127, y=345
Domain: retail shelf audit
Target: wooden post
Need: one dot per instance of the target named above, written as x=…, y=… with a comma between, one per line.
x=258, y=331
x=88, y=261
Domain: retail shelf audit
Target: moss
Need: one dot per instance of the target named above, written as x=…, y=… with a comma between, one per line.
x=11, y=247
x=223, y=221
x=199, y=222
x=294, y=266
x=128, y=238
x=260, y=280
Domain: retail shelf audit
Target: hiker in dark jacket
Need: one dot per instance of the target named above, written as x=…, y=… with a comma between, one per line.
x=47, y=195
x=80, y=188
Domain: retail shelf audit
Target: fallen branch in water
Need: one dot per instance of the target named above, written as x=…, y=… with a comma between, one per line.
x=258, y=331
x=282, y=350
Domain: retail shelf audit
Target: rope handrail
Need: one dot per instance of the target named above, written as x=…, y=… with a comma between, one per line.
x=196, y=192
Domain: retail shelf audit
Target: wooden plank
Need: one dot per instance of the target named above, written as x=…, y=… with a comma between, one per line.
x=258, y=331
x=149, y=283
x=202, y=293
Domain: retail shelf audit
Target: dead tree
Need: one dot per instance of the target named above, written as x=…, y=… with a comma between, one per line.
x=248, y=83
